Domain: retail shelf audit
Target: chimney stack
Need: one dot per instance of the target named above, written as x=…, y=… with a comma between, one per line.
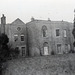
x=3, y=23
x=32, y=19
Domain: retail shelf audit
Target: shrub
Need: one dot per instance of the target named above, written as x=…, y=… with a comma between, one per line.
x=71, y=51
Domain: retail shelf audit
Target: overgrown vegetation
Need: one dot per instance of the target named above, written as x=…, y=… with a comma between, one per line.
x=6, y=52
x=73, y=32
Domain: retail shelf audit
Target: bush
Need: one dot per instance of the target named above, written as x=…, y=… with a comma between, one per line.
x=71, y=51
x=13, y=53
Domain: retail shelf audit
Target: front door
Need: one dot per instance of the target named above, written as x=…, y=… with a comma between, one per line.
x=45, y=50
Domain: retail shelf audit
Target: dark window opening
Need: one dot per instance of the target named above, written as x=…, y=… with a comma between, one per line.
x=57, y=32
x=23, y=51
x=22, y=37
x=44, y=30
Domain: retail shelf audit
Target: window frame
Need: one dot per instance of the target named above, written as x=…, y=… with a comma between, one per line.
x=45, y=46
x=66, y=48
x=57, y=32
x=65, y=33
x=59, y=51
x=44, y=31
x=23, y=51
x=15, y=37
x=22, y=39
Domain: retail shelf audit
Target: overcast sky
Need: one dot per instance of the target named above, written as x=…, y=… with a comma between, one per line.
x=56, y=10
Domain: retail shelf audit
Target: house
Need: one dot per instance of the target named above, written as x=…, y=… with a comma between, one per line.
x=39, y=37
x=46, y=37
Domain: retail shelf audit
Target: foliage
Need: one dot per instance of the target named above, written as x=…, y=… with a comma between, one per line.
x=4, y=51
x=74, y=44
x=4, y=39
x=71, y=51
x=73, y=32
x=13, y=53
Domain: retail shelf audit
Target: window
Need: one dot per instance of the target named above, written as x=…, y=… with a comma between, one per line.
x=57, y=32
x=22, y=37
x=69, y=47
x=17, y=48
x=59, y=48
x=44, y=31
x=46, y=52
x=65, y=33
x=18, y=28
x=66, y=48
x=15, y=37
x=23, y=51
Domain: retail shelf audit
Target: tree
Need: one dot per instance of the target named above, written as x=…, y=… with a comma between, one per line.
x=73, y=32
x=13, y=52
x=4, y=53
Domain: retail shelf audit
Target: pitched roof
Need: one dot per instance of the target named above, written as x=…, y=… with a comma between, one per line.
x=18, y=22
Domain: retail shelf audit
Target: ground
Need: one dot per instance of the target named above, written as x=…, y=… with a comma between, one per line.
x=42, y=65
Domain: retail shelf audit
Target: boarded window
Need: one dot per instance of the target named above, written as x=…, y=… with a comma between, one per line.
x=65, y=33
x=57, y=32
x=23, y=51
x=22, y=37
x=46, y=52
x=44, y=30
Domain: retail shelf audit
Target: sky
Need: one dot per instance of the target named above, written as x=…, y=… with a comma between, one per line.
x=56, y=10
